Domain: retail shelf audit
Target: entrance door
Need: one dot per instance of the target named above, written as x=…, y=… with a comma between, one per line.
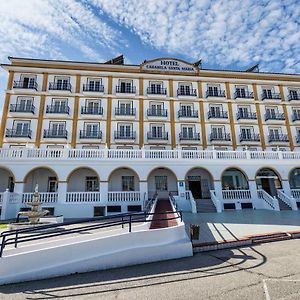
x=265, y=184
x=195, y=188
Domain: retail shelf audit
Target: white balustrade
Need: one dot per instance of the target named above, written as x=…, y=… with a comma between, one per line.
x=14, y=198
x=217, y=203
x=124, y=154
x=124, y=196
x=189, y=196
x=296, y=193
x=44, y=197
x=83, y=197
x=86, y=153
x=271, y=202
x=289, y=201
x=161, y=154
x=236, y=194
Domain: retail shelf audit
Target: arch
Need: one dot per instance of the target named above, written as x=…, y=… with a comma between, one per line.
x=162, y=167
x=123, y=179
x=294, y=178
x=268, y=180
x=7, y=179
x=233, y=178
x=77, y=180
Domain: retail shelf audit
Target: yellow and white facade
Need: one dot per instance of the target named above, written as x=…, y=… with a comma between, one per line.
x=165, y=116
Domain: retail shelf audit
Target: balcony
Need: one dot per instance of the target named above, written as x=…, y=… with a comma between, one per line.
x=162, y=136
x=187, y=92
x=151, y=112
x=189, y=137
x=88, y=134
x=183, y=113
x=86, y=110
x=293, y=97
x=54, y=109
x=274, y=116
x=60, y=86
x=296, y=116
x=246, y=116
x=278, y=138
x=125, y=89
x=254, y=137
x=274, y=96
x=22, y=108
x=22, y=84
x=240, y=94
x=122, y=135
x=55, y=134
x=93, y=88
x=156, y=91
x=215, y=93
x=220, y=137
x=119, y=111
x=18, y=133
x=217, y=115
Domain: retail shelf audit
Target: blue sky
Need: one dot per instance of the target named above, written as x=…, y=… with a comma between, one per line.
x=225, y=34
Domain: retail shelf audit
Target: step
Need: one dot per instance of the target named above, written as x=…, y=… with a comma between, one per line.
x=283, y=206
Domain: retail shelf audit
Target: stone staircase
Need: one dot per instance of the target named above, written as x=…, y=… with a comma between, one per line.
x=283, y=205
x=205, y=206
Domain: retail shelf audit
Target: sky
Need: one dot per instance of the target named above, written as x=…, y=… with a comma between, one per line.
x=225, y=34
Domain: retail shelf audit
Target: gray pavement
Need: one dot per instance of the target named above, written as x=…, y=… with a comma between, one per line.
x=268, y=271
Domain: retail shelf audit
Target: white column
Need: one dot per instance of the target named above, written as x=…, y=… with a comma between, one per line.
x=5, y=203
x=19, y=188
x=254, y=197
x=286, y=187
x=62, y=191
x=143, y=192
x=218, y=190
x=104, y=192
x=181, y=188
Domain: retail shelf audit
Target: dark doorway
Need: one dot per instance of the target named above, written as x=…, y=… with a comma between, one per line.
x=195, y=188
x=265, y=184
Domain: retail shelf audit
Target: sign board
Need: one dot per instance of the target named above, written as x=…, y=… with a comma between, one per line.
x=169, y=65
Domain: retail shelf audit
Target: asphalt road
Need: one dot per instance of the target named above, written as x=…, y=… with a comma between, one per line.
x=268, y=271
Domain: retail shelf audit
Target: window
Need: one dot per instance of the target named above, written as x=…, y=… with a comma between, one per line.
x=59, y=105
x=127, y=183
x=187, y=131
x=62, y=83
x=125, y=130
x=241, y=91
x=294, y=94
x=125, y=147
x=247, y=132
x=21, y=127
x=189, y=148
x=52, y=184
x=24, y=103
x=125, y=86
x=275, y=133
x=91, y=129
x=92, y=105
x=185, y=88
x=157, y=148
x=91, y=184
x=267, y=92
x=156, y=87
x=216, y=110
x=156, y=108
x=298, y=132
x=272, y=111
x=244, y=111
x=57, y=128
x=218, y=131
x=161, y=183
x=55, y=146
x=186, y=110
x=213, y=90
x=94, y=84
x=28, y=81
x=157, y=131
x=90, y=147
x=125, y=108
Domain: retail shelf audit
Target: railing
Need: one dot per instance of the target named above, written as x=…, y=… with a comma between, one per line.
x=156, y=91
x=183, y=113
x=86, y=110
x=214, y=93
x=244, y=94
x=271, y=202
x=293, y=97
x=93, y=88
x=124, y=196
x=22, y=108
x=220, y=137
x=18, y=133
x=187, y=137
x=162, y=136
x=86, y=134
x=274, y=116
x=21, y=84
x=119, y=111
x=278, y=138
x=217, y=115
x=120, y=135
x=150, y=202
x=48, y=134
x=289, y=201
x=151, y=112
x=44, y=197
x=184, y=92
x=236, y=194
x=217, y=203
x=189, y=197
x=126, y=90
x=246, y=115
x=295, y=193
x=254, y=137
x=83, y=197
x=270, y=96
x=60, y=86
x=53, y=109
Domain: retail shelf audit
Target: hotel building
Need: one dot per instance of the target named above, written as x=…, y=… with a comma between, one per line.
x=101, y=138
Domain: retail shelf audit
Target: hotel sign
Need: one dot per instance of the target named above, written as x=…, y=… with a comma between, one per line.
x=169, y=65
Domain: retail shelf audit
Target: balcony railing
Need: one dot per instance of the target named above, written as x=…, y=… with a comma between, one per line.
x=189, y=137
x=18, y=133
x=86, y=110
x=58, y=134
x=125, y=111
x=296, y=116
x=88, y=134
x=217, y=115
x=254, y=137
x=152, y=112
x=126, y=89
x=121, y=135
x=22, y=108
x=278, y=138
x=220, y=137
x=184, y=92
x=243, y=94
x=183, y=113
x=60, y=86
x=246, y=115
x=93, y=88
x=275, y=116
x=215, y=93
x=298, y=138
x=53, y=109
x=270, y=96
x=157, y=136
x=293, y=97
x=156, y=91
x=21, y=84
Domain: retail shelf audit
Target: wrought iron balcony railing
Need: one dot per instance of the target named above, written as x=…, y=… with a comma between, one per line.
x=254, y=137
x=86, y=110
x=119, y=111
x=125, y=89
x=18, y=133
x=294, y=97
x=90, y=134
x=220, y=137
x=278, y=138
x=22, y=108
x=123, y=135
x=215, y=93
x=50, y=133
x=298, y=138
x=21, y=84
x=157, y=136
x=246, y=115
x=154, y=112
x=296, y=116
x=274, y=116
x=57, y=86
x=189, y=137
x=241, y=94
x=187, y=92
x=270, y=96
x=183, y=113
x=156, y=91
x=93, y=88
x=217, y=115
x=54, y=109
